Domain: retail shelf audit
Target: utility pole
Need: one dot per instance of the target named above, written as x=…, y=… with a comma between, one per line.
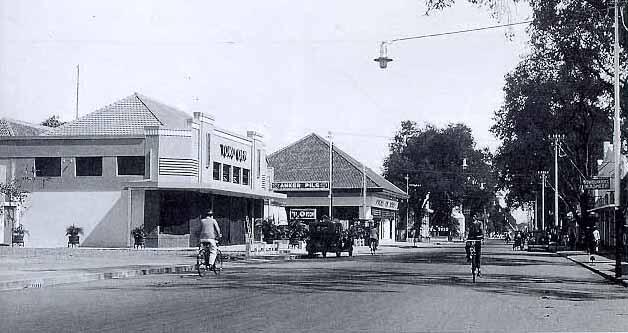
x=407, y=206
x=557, y=138
x=77, y=91
x=536, y=212
x=364, y=189
x=331, y=165
x=619, y=223
x=543, y=175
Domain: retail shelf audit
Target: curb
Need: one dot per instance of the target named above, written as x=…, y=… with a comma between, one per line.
x=602, y=274
x=86, y=277
x=121, y=273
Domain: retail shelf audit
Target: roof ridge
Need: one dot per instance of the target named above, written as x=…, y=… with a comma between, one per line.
x=292, y=144
x=147, y=108
x=357, y=164
x=57, y=129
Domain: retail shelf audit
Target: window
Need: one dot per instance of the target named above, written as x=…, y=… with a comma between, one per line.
x=88, y=166
x=245, y=176
x=226, y=173
x=259, y=162
x=216, y=171
x=209, y=155
x=131, y=165
x=48, y=166
x=236, y=175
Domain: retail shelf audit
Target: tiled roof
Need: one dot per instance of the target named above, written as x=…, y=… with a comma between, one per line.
x=11, y=127
x=308, y=160
x=127, y=116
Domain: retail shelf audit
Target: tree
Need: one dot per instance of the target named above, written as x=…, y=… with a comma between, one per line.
x=563, y=86
x=52, y=121
x=433, y=159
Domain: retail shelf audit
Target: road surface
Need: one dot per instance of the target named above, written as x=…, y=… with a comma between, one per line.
x=426, y=289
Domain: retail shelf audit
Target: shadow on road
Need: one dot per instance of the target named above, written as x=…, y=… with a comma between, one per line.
x=391, y=274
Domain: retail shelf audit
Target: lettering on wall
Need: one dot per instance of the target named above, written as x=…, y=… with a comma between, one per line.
x=302, y=214
x=385, y=204
x=227, y=151
x=301, y=186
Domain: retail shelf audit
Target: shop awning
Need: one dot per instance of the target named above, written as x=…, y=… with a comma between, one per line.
x=217, y=187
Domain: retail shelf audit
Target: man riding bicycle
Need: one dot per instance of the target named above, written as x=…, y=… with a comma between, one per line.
x=210, y=232
x=475, y=234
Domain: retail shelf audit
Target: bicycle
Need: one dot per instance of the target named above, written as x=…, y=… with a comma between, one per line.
x=475, y=260
x=373, y=245
x=202, y=260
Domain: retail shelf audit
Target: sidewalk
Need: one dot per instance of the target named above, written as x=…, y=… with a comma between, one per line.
x=40, y=267
x=600, y=265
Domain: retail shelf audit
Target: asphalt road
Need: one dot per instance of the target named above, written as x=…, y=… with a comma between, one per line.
x=427, y=289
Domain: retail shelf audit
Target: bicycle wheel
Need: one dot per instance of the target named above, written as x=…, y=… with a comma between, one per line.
x=201, y=266
x=218, y=263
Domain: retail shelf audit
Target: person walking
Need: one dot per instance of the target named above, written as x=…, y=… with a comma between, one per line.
x=596, y=240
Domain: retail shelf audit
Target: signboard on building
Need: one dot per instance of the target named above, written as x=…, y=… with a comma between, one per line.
x=229, y=150
x=301, y=186
x=598, y=183
x=384, y=203
x=303, y=214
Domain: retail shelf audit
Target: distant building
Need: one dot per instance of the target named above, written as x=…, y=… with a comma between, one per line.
x=135, y=162
x=604, y=200
x=301, y=171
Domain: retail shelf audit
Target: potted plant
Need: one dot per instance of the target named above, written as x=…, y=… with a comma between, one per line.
x=18, y=235
x=139, y=236
x=73, y=235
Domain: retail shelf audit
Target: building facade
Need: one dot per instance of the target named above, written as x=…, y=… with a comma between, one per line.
x=301, y=171
x=604, y=199
x=137, y=162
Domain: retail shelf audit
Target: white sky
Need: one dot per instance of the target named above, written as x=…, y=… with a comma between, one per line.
x=286, y=68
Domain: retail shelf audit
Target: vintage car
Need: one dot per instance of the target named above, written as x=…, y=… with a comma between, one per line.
x=538, y=241
x=327, y=236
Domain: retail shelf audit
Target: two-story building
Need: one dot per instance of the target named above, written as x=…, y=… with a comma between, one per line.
x=301, y=171
x=138, y=162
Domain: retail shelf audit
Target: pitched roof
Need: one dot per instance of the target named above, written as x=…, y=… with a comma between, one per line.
x=12, y=127
x=127, y=116
x=308, y=160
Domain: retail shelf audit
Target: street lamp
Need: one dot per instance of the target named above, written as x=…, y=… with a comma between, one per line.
x=383, y=59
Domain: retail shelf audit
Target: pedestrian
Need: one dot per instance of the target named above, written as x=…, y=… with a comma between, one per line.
x=596, y=239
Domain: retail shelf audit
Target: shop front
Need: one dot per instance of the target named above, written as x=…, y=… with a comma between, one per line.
x=358, y=196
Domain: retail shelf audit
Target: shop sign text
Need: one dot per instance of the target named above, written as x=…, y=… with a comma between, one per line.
x=385, y=204
x=599, y=183
x=227, y=151
x=301, y=186
x=303, y=214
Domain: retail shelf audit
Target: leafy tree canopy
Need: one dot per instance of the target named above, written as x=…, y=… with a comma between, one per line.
x=563, y=86
x=433, y=160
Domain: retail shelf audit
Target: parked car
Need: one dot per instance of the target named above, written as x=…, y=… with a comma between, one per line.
x=327, y=236
x=538, y=241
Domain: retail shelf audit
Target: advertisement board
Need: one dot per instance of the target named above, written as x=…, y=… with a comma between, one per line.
x=303, y=214
x=301, y=186
x=598, y=183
